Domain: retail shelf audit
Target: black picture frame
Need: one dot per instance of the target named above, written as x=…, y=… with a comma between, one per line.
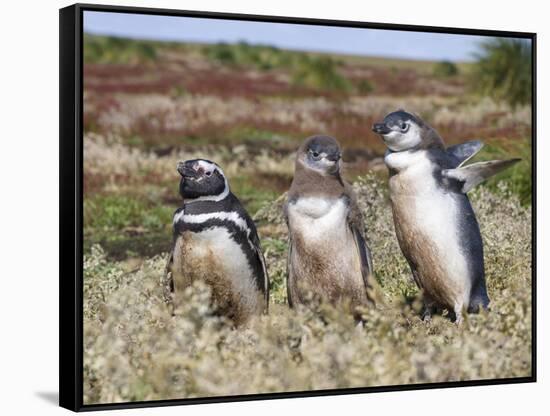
x=71, y=203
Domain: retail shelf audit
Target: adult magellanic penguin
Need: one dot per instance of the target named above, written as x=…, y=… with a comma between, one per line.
x=434, y=221
x=215, y=241
x=328, y=255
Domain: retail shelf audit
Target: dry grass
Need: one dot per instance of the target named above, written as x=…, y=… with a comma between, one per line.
x=158, y=119
x=135, y=350
x=111, y=166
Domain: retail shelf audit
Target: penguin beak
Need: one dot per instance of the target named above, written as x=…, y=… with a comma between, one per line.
x=186, y=169
x=381, y=128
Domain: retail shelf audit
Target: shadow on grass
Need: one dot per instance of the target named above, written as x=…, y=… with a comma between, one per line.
x=122, y=245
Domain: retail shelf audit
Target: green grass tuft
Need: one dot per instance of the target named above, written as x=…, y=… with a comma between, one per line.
x=113, y=212
x=115, y=50
x=319, y=73
x=445, y=69
x=503, y=70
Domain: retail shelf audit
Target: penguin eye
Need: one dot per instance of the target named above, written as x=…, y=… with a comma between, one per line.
x=208, y=173
x=314, y=154
x=404, y=126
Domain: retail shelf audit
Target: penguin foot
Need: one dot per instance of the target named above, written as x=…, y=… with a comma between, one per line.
x=427, y=315
x=458, y=314
x=478, y=303
x=429, y=309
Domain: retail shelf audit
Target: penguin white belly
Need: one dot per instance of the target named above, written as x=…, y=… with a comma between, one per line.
x=427, y=220
x=324, y=252
x=214, y=257
x=319, y=219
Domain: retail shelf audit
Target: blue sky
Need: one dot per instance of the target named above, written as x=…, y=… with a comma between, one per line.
x=374, y=42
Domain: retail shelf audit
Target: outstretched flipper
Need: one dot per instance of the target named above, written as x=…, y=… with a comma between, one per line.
x=472, y=175
x=461, y=153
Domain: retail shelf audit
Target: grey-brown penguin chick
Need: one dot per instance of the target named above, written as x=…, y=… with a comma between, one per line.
x=328, y=255
x=215, y=241
x=434, y=221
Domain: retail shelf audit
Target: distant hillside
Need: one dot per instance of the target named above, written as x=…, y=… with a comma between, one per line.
x=321, y=72
x=104, y=49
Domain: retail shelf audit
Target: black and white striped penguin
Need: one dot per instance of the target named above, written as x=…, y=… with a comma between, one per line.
x=434, y=221
x=328, y=254
x=215, y=240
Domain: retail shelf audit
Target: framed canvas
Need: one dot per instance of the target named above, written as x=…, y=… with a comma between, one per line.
x=256, y=207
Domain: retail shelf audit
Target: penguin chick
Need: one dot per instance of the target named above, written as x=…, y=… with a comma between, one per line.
x=328, y=255
x=215, y=241
x=434, y=221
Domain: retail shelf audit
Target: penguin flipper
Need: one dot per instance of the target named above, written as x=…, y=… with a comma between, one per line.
x=289, y=276
x=367, y=269
x=355, y=222
x=266, y=276
x=254, y=241
x=472, y=175
x=463, y=152
x=168, y=284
